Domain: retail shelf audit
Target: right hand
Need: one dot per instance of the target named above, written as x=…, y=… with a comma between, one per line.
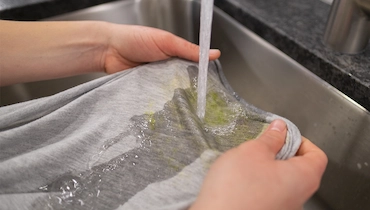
x=249, y=176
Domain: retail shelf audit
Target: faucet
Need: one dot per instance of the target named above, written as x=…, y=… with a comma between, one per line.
x=348, y=26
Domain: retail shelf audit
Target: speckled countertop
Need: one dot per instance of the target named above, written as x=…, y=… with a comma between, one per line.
x=296, y=27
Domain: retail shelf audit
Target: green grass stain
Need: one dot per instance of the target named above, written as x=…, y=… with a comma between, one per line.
x=151, y=121
x=221, y=112
x=218, y=112
x=169, y=158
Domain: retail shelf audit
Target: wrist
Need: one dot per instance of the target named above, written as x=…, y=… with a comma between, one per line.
x=101, y=41
x=95, y=37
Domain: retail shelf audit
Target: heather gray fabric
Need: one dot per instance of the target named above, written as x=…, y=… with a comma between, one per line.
x=130, y=140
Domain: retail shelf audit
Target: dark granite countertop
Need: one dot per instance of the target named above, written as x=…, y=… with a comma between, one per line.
x=296, y=27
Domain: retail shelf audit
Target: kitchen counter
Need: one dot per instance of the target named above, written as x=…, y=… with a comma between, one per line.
x=295, y=27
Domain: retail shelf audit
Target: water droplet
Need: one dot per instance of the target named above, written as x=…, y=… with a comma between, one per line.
x=81, y=202
x=98, y=193
x=110, y=167
x=44, y=188
x=359, y=165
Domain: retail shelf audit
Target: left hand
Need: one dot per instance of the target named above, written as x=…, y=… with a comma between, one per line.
x=131, y=45
x=32, y=51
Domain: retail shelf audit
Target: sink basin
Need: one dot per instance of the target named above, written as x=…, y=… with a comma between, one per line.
x=263, y=76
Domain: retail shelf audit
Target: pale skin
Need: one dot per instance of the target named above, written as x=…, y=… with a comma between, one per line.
x=246, y=177
x=32, y=51
x=249, y=178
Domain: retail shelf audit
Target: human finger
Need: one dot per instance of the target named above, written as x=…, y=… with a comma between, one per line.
x=173, y=45
x=214, y=54
x=274, y=136
x=310, y=162
x=312, y=156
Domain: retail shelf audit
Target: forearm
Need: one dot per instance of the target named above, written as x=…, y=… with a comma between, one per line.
x=33, y=51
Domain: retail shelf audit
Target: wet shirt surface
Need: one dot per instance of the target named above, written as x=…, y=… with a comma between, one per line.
x=131, y=140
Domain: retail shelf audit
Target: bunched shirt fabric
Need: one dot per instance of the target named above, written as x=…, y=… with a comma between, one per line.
x=130, y=140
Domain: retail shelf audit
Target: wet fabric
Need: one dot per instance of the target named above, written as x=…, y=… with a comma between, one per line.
x=130, y=140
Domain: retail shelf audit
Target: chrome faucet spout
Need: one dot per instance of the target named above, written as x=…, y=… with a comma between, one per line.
x=348, y=26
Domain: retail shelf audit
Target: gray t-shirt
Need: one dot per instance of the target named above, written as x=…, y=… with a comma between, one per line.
x=130, y=140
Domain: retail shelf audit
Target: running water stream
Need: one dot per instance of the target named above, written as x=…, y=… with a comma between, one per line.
x=204, y=42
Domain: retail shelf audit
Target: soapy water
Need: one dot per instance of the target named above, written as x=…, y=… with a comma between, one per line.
x=204, y=44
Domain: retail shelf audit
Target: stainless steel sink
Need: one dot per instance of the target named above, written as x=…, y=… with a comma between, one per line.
x=263, y=76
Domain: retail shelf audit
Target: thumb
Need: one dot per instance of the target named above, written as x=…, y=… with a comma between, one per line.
x=274, y=136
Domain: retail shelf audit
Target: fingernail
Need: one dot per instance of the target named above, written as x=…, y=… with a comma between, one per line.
x=278, y=125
